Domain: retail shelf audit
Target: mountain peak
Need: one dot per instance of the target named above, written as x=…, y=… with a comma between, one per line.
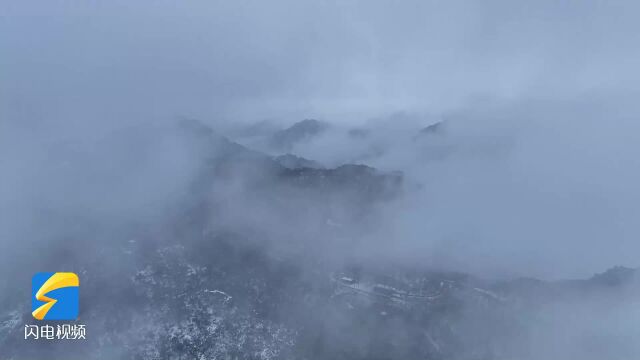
x=302, y=130
x=616, y=275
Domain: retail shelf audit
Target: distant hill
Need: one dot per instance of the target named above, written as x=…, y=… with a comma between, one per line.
x=284, y=140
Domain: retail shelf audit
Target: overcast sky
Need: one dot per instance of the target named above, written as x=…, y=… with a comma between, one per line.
x=286, y=59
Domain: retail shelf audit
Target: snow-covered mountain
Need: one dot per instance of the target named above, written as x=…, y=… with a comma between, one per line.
x=245, y=267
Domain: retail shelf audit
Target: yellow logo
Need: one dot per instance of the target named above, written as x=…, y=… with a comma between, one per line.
x=55, y=296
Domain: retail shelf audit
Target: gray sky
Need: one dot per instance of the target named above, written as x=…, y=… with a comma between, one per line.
x=285, y=59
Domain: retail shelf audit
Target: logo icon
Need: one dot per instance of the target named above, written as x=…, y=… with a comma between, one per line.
x=55, y=296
